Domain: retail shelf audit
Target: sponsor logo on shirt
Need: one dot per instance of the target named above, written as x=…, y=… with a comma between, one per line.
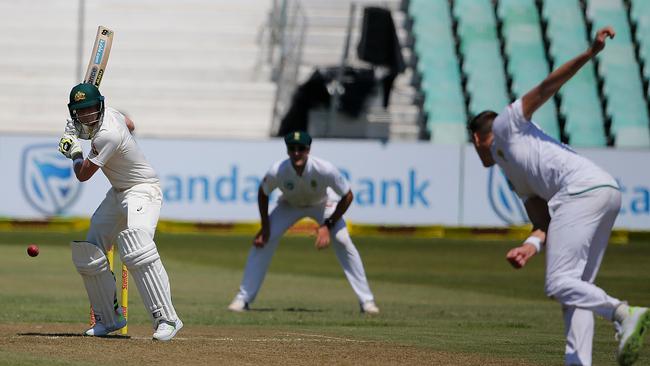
x=313, y=183
x=289, y=185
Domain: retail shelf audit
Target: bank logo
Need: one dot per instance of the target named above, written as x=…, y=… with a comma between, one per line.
x=47, y=179
x=504, y=201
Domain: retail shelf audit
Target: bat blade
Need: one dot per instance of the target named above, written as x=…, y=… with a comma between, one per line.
x=99, y=56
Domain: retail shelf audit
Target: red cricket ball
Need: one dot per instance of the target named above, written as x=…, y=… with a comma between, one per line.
x=32, y=250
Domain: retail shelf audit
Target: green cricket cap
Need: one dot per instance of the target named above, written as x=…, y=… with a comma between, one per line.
x=297, y=138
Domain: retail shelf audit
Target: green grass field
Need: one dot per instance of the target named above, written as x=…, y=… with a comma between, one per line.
x=452, y=296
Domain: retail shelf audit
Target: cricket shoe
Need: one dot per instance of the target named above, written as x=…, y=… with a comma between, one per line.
x=630, y=332
x=167, y=330
x=369, y=307
x=100, y=330
x=238, y=305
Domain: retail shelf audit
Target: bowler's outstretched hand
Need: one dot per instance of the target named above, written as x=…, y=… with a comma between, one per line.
x=601, y=36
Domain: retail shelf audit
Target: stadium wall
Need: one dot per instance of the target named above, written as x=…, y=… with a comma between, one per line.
x=214, y=183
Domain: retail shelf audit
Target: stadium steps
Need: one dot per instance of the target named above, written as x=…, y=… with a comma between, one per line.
x=622, y=86
x=527, y=65
x=579, y=103
x=189, y=79
x=323, y=47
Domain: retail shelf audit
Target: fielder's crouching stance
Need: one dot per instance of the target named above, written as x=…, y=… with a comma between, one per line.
x=304, y=181
x=128, y=215
x=572, y=204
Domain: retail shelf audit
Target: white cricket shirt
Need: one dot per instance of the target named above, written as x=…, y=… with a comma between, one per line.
x=538, y=165
x=309, y=189
x=114, y=149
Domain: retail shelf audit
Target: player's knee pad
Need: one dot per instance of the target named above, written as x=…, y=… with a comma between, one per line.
x=140, y=255
x=88, y=258
x=137, y=248
x=94, y=269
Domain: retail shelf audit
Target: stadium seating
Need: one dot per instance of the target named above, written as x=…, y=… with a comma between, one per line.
x=640, y=14
x=180, y=70
x=623, y=89
x=438, y=65
x=580, y=104
x=524, y=49
x=324, y=41
x=482, y=62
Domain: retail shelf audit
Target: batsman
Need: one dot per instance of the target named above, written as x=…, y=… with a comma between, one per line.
x=128, y=215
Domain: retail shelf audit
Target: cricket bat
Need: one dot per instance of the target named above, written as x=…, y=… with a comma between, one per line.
x=99, y=56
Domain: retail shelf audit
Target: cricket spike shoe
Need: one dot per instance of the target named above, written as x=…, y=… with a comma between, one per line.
x=167, y=330
x=100, y=330
x=238, y=305
x=630, y=332
x=369, y=307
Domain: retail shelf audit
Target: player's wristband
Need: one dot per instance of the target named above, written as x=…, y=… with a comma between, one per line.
x=534, y=241
x=329, y=223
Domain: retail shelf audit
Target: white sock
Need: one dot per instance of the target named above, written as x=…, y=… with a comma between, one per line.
x=621, y=312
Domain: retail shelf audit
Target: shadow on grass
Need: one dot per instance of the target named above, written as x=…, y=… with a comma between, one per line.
x=71, y=335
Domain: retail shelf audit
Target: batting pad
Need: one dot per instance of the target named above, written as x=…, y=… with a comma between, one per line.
x=93, y=267
x=140, y=255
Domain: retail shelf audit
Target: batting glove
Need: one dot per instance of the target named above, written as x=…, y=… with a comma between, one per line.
x=70, y=128
x=69, y=146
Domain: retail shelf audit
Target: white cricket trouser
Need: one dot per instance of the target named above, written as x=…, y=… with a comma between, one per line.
x=576, y=241
x=135, y=208
x=281, y=219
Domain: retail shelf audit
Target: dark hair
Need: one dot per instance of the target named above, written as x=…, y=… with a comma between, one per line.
x=482, y=122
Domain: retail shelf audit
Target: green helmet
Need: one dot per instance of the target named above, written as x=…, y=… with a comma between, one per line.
x=83, y=96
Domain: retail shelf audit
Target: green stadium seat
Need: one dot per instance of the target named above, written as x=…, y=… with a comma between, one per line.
x=483, y=65
x=448, y=133
x=444, y=102
x=626, y=103
x=640, y=14
x=527, y=63
x=580, y=104
x=633, y=136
